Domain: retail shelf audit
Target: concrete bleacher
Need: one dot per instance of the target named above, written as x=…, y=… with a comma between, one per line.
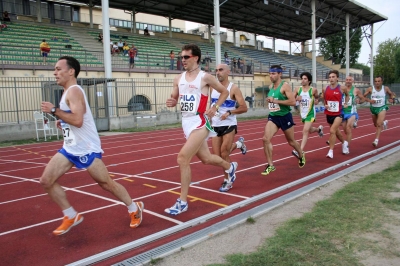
x=20, y=44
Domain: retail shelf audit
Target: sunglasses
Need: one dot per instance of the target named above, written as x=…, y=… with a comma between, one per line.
x=186, y=57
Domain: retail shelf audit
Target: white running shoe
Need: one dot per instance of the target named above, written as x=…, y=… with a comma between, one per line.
x=375, y=143
x=178, y=208
x=231, y=174
x=385, y=124
x=320, y=131
x=355, y=124
x=243, y=148
x=226, y=186
x=330, y=154
x=345, y=149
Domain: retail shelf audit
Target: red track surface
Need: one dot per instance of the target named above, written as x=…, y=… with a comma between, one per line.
x=145, y=163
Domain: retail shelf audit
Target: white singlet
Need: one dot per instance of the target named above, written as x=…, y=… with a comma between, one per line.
x=378, y=96
x=229, y=104
x=83, y=140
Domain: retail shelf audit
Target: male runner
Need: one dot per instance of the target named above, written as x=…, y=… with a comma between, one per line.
x=81, y=148
x=225, y=123
x=332, y=96
x=307, y=97
x=350, y=115
x=378, y=105
x=192, y=87
x=280, y=98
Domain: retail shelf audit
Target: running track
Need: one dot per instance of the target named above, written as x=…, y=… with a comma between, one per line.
x=145, y=163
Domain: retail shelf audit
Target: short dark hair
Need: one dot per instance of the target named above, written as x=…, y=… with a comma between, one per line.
x=195, y=50
x=333, y=71
x=43, y=40
x=276, y=66
x=378, y=77
x=308, y=75
x=72, y=63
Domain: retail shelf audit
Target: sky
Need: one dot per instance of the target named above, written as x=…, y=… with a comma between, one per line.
x=382, y=30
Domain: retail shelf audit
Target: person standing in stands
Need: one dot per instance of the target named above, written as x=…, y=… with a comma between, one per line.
x=171, y=60
x=82, y=149
x=132, y=55
x=45, y=50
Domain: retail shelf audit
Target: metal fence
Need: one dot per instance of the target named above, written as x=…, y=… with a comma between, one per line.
x=20, y=97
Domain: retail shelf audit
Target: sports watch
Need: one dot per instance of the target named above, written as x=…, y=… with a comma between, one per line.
x=53, y=110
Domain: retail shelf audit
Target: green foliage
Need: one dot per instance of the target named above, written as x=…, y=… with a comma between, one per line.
x=334, y=46
x=397, y=65
x=366, y=69
x=384, y=61
x=250, y=220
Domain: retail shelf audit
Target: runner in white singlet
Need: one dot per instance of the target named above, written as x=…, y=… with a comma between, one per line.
x=225, y=124
x=378, y=106
x=191, y=89
x=81, y=148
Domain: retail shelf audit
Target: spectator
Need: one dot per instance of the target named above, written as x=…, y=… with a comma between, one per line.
x=179, y=61
x=136, y=52
x=234, y=65
x=2, y=26
x=6, y=16
x=100, y=38
x=226, y=55
x=172, y=60
x=126, y=48
x=132, y=55
x=66, y=39
x=55, y=38
x=227, y=60
x=208, y=60
x=120, y=45
x=146, y=32
x=241, y=65
x=44, y=49
x=115, y=49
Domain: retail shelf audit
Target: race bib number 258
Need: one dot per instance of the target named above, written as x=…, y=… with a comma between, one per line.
x=189, y=103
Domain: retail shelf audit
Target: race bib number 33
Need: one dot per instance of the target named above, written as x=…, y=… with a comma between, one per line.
x=189, y=103
x=333, y=106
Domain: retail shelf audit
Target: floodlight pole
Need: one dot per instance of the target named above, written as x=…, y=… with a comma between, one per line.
x=133, y=20
x=107, y=51
x=217, y=37
x=314, y=58
x=91, y=13
x=39, y=10
x=371, y=73
x=170, y=25
x=347, y=44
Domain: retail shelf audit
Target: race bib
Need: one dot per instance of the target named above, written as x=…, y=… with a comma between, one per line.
x=274, y=107
x=333, y=106
x=189, y=103
x=305, y=103
x=378, y=101
x=69, y=136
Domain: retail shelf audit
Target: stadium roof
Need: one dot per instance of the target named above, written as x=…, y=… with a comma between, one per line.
x=282, y=19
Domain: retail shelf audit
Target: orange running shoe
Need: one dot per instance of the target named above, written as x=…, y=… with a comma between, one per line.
x=137, y=216
x=67, y=224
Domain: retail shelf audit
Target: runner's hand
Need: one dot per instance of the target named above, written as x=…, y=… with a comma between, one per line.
x=171, y=102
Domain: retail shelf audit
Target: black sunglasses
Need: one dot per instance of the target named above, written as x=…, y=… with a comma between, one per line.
x=186, y=57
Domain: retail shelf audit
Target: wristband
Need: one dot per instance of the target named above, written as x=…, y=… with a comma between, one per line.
x=216, y=106
x=229, y=111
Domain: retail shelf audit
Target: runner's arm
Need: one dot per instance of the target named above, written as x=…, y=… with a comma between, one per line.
x=316, y=96
x=388, y=91
x=291, y=101
x=238, y=96
x=171, y=102
x=368, y=91
x=216, y=85
x=76, y=103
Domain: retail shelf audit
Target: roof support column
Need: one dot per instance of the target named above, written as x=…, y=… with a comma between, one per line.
x=133, y=20
x=372, y=56
x=347, y=44
x=234, y=37
x=290, y=47
x=107, y=50
x=273, y=44
x=91, y=13
x=39, y=10
x=314, y=58
x=170, y=25
x=209, y=33
x=217, y=36
x=255, y=41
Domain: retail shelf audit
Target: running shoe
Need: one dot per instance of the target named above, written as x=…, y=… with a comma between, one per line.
x=321, y=131
x=225, y=186
x=385, y=124
x=375, y=143
x=178, y=208
x=243, y=148
x=268, y=169
x=355, y=124
x=330, y=154
x=137, y=216
x=295, y=154
x=67, y=224
x=231, y=174
x=345, y=149
x=302, y=160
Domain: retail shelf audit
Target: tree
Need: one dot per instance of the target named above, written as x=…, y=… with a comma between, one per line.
x=384, y=61
x=397, y=65
x=334, y=46
x=366, y=69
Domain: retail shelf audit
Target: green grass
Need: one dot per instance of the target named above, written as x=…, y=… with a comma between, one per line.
x=335, y=231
